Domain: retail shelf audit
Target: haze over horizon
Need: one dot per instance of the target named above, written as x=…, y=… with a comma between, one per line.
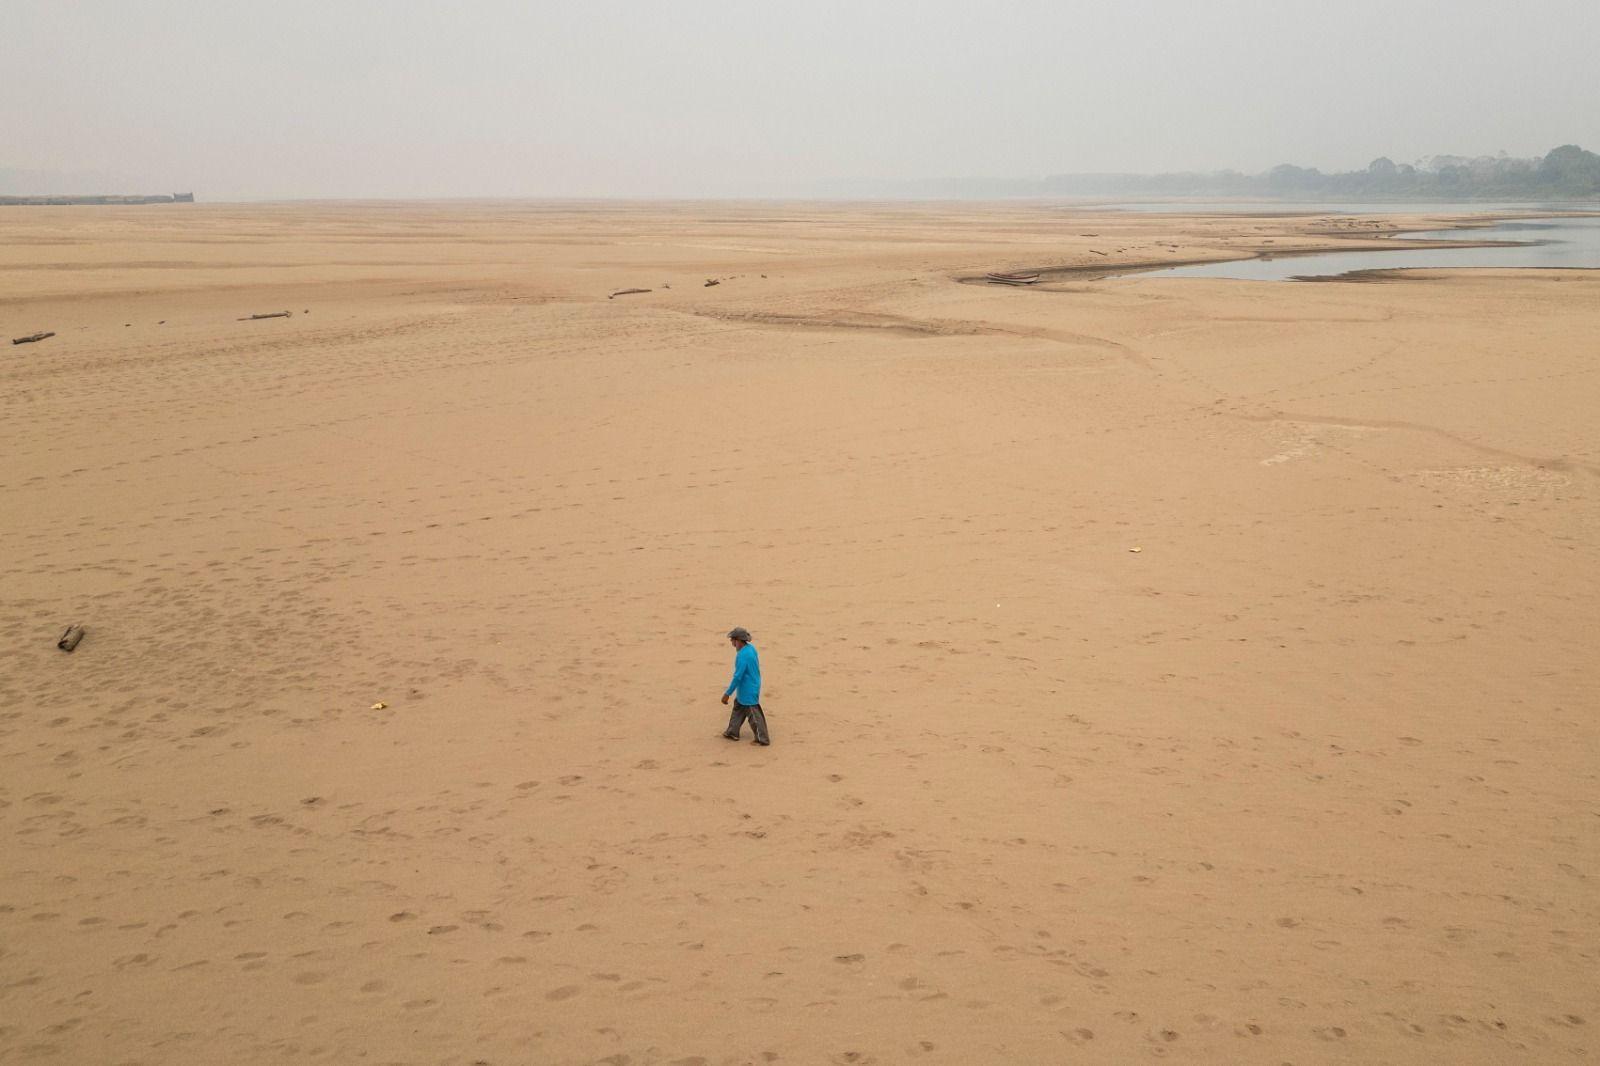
x=724, y=99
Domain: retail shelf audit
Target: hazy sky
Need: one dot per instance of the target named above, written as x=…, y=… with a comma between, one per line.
x=349, y=98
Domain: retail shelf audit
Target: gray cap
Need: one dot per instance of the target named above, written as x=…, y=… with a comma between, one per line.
x=739, y=633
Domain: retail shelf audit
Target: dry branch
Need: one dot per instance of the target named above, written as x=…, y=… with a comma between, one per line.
x=70, y=637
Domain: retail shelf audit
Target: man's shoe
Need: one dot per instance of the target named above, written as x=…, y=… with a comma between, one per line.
x=730, y=736
x=763, y=743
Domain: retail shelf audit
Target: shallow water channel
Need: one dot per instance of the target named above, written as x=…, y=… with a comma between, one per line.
x=1572, y=243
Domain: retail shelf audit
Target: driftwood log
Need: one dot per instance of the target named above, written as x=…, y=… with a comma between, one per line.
x=712, y=281
x=626, y=292
x=30, y=338
x=269, y=314
x=70, y=637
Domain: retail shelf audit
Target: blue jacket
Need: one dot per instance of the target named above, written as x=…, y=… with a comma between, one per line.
x=746, y=677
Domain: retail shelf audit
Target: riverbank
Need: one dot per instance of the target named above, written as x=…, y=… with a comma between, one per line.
x=1365, y=249
x=1197, y=670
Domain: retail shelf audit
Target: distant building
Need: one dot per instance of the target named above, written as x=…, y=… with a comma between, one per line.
x=76, y=201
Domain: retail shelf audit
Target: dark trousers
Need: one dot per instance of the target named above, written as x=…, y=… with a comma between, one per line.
x=758, y=721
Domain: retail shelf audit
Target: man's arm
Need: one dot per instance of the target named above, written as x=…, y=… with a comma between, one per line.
x=741, y=666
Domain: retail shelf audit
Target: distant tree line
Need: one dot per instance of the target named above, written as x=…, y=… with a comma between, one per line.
x=1565, y=173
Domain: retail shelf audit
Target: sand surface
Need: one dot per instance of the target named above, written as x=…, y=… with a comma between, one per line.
x=1311, y=776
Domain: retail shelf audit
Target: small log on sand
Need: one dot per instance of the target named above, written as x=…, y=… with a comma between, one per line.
x=269, y=314
x=712, y=281
x=30, y=338
x=625, y=292
x=70, y=637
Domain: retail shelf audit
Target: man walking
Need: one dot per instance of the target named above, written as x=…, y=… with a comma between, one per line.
x=745, y=688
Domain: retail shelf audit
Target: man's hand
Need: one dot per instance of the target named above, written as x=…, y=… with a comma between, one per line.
x=724, y=699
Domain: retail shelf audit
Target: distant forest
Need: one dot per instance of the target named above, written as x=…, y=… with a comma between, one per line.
x=1565, y=173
